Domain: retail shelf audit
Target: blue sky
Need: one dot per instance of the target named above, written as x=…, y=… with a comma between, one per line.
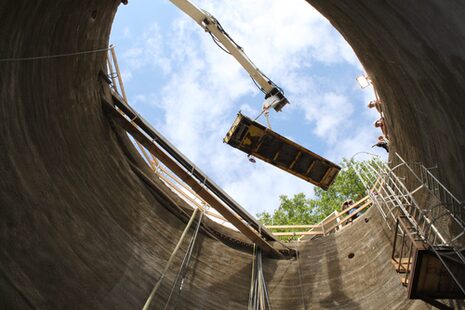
x=191, y=91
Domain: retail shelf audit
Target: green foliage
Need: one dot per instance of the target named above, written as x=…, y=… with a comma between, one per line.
x=307, y=211
x=291, y=211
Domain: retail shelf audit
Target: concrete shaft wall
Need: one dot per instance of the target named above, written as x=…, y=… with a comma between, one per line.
x=78, y=229
x=414, y=53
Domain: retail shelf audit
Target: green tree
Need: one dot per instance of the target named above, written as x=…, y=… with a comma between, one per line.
x=297, y=209
x=307, y=211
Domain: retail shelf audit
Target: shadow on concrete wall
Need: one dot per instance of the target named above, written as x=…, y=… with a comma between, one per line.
x=337, y=297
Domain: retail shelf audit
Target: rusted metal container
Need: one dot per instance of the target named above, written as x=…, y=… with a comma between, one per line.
x=269, y=146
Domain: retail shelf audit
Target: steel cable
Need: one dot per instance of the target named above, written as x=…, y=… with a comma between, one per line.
x=184, y=265
x=170, y=260
x=55, y=56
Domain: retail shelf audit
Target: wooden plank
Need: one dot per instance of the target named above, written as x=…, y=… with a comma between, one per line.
x=234, y=219
x=174, y=187
x=299, y=233
x=295, y=160
x=349, y=217
x=276, y=156
x=404, y=264
x=354, y=205
x=329, y=176
x=310, y=167
x=333, y=217
x=291, y=226
x=180, y=193
x=115, y=99
x=258, y=136
x=404, y=280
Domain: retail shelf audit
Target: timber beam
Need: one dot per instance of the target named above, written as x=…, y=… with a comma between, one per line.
x=129, y=124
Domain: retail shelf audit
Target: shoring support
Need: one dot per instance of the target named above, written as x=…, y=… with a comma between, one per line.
x=142, y=126
x=120, y=103
x=207, y=194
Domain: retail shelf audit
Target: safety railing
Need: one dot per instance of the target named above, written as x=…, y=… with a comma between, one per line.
x=434, y=222
x=189, y=196
x=114, y=73
x=173, y=182
x=436, y=188
x=335, y=221
x=393, y=199
x=406, y=240
x=156, y=148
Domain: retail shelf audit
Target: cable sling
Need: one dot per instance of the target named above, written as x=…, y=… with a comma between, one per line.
x=170, y=260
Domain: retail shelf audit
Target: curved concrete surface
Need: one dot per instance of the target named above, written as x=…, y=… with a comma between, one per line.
x=79, y=229
x=414, y=53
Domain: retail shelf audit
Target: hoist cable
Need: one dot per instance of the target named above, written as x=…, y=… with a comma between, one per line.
x=184, y=265
x=170, y=260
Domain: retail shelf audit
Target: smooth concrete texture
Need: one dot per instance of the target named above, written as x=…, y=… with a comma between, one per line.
x=80, y=230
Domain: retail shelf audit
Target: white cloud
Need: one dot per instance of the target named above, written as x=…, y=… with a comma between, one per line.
x=331, y=113
x=274, y=33
x=126, y=32
x=148, y=50
x=259, y=189
x=360, y=140
x=206, y=87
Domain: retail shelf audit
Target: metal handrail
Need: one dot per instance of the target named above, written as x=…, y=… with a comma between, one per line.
x=393, y=191
x=335, y=220
x=428, y=179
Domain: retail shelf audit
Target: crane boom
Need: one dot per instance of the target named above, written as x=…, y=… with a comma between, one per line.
x=274, y=95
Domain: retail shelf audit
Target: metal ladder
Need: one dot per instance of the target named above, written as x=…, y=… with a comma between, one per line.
x=441, y=227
